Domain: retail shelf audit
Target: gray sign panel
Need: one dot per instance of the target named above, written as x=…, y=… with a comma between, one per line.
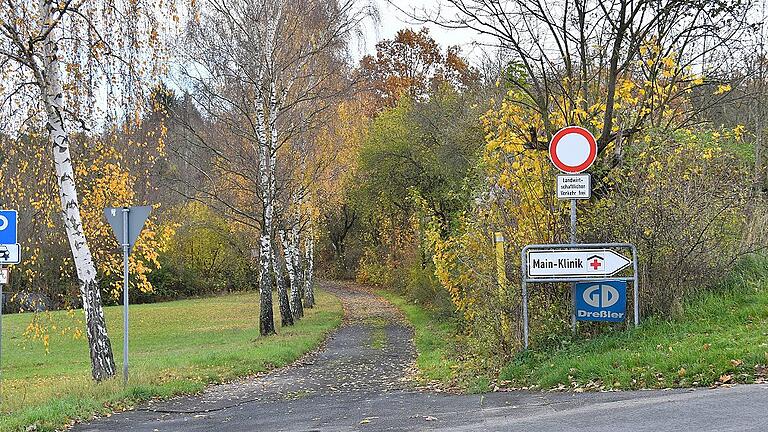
x=136, y=218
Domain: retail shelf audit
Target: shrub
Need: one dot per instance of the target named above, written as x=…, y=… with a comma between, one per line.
x=686, y=203
x=206, y=255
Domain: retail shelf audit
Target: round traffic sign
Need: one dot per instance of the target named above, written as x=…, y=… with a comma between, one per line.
x=573, y=149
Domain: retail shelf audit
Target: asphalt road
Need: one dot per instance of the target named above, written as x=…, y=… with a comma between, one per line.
x=360, y=382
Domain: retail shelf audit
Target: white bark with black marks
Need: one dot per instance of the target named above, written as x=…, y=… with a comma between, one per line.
x=286, y=316
x=309, y=264
x=291, y=263
x=266, y=318
x=102, y=360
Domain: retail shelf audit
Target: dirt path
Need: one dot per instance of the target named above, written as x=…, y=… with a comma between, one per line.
x=371, y=353
x=359, y=382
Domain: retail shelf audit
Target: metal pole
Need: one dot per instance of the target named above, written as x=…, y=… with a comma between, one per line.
x=573, y=221
x=523, y=276
x=126, y=251
x=637, y=287
x=1, y=338
x=573, y=285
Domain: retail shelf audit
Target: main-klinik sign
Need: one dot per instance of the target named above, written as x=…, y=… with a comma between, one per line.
x=598, y=291
x=582, y=263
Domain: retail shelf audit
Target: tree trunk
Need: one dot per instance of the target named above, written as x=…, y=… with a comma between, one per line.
x=266, y=320
x=286, y=316
x=309, y=256
x=290, y=264
x=102, y=360
x=297, y=268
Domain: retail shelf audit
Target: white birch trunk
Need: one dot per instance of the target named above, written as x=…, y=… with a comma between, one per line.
x=309, y=267
x=102, y=360
x=286, y=316
x=297, y=267
x=266, y=318
x=290, y=254
x=267, y=154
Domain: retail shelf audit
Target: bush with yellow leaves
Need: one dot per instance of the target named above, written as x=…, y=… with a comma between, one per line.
x=686, y=201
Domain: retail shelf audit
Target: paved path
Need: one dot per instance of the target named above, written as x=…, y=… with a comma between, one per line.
x=359, y=382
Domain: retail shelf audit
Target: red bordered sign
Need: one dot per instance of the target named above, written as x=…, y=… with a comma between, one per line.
x=573, y=149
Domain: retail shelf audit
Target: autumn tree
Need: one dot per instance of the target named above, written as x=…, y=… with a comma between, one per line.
x=56, y=60
x=569, y=59
x=341, y=140
x=262, y=73
x=413, y=64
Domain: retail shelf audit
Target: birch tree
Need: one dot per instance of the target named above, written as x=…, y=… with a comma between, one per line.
x=309, y=266
x=262, y=73
x=291, y=252
x=56, y=61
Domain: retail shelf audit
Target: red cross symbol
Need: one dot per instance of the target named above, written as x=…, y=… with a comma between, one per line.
x=595, y=264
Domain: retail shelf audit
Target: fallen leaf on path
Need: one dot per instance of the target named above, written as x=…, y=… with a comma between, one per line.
x=725, y=378
x=367, y=420
x=430, y=418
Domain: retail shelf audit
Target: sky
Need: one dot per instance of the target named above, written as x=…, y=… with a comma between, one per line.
x=392, y=20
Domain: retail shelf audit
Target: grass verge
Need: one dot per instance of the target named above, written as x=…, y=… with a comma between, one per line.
x=720, y=338
x=175, y=348
x=435, y=340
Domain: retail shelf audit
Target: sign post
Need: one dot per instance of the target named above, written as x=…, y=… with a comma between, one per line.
x=127, y=223
x=592, y=262
x=3, y=281
x=572, y=150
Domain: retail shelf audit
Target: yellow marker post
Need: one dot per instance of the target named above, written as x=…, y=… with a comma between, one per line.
x=501, y=278
x=500, y=265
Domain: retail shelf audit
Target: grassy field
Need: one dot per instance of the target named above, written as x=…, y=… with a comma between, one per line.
x=720, y=338
x=176, y=347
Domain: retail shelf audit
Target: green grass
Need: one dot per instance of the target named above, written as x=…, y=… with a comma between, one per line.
x=720, y=337
x=435, y=340
x=175, y=347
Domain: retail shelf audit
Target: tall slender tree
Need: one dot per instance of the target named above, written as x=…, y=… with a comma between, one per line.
x=264, y=72
x=55, y=58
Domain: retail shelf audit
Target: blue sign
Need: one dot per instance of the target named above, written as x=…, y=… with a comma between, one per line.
x=8, y=227
x=601, y=301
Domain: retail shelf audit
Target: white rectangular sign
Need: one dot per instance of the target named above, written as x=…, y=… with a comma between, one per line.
x=586, y=263
x=578, y=186
x=10, y=253
x=3, y=277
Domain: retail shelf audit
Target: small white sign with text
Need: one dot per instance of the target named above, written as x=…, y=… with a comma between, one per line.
x=578, y=186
